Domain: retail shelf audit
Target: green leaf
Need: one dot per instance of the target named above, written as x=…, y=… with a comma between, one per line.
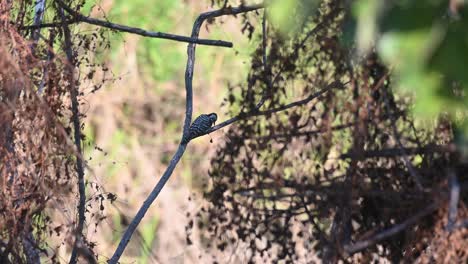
x=289, y=15
x=280, y=13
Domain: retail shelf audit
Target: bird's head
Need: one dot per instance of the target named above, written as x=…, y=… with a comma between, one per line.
x=213, y=117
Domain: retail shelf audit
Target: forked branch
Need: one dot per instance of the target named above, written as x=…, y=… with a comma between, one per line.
x=77, y=17
x=188, y=118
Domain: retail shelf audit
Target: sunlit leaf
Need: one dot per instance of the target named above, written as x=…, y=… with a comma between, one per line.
x=289, y=15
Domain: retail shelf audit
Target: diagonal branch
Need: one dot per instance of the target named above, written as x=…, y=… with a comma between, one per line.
x=393, y=152
x=255, y=112
x=47, y=25
x=307, y=133
x=188, y=118
x=77, y=17
x=50, y=56
x=397, y=136
x=77, y=135
x=266, y=68
x=361, y=245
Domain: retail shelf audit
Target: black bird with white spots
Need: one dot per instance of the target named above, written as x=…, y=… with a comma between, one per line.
x=200, y=126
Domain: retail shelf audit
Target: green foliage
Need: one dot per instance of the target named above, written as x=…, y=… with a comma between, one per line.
x=153, y=54
x=426, y=46
x=280, y=13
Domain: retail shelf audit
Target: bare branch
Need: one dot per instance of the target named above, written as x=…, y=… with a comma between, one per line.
x=191, y=49
x=255, y=112
x=188, y=118
x=77, y=17
x=315, y=30
x=266, y=68
x=361, y=245
x=48, y=25
x=317, y=227
x=77, y=134
x=301, y=102
x=307, y=133
x=50, y=56
x=270, y=82
x=392, y=152
x=414, y=174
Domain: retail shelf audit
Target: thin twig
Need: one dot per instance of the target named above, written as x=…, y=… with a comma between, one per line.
x=47, y=25
x=361, y=245
x=341, y=230
x=414, y=174
x=315, y=224
x=266, y=68
x=307, y=133
x=322, y=25
x=255, y=112
x=50, y=56
x=188, y=118
x=303, y=101
x=393, y=152
x=77, y=136
x=77, y=17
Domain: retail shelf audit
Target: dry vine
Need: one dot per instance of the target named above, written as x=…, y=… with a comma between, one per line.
x=319, y=148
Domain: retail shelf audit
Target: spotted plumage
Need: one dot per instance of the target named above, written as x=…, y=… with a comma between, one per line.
x=200, y=126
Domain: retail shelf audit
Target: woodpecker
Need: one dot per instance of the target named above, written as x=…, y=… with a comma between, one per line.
x=200, y=126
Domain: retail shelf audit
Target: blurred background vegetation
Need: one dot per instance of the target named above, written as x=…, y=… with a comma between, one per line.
x=404, y=61
x=424, y=44
x=135, y=120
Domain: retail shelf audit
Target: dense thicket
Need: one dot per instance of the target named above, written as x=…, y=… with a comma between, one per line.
x=323, y=159
x=347, y=172
x=40, y=134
